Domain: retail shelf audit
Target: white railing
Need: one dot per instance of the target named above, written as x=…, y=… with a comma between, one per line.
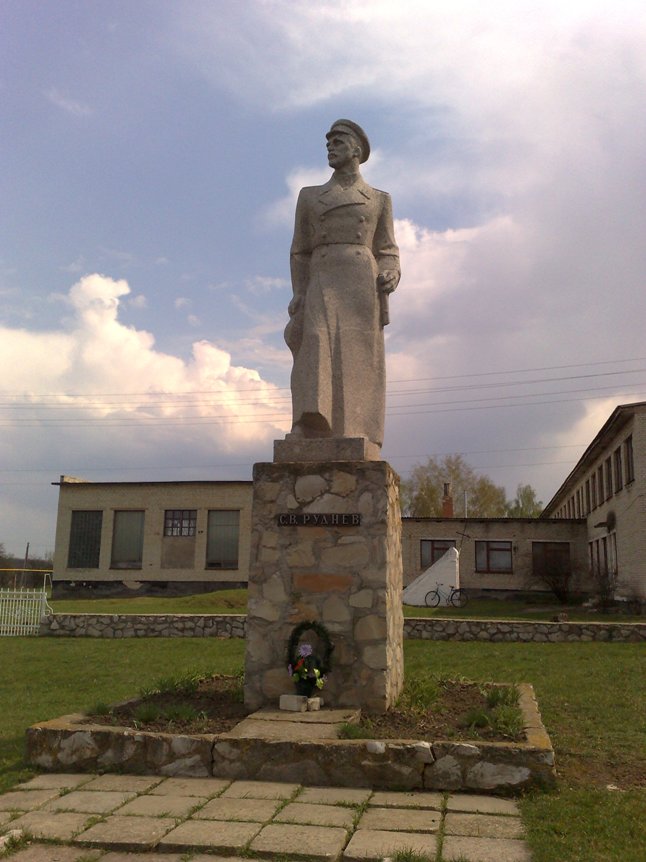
x=21, y=610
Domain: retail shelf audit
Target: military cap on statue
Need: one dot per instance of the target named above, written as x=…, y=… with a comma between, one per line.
x=348, y=127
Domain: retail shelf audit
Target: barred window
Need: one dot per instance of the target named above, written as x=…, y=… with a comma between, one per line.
x=85, y=540
x=180, y=522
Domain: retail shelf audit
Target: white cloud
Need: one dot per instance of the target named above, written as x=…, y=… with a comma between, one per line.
x=71, y=106
x=122, y=258
x=262, y=285
x=76, y=267
x=281, y=212
x=102, y=370
x=96, y=393
x=265, y=53
x=138, y=301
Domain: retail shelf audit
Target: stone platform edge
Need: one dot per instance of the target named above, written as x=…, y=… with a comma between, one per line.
x=67, y=745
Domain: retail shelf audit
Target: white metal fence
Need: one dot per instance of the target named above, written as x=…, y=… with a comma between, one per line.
x=21, y=610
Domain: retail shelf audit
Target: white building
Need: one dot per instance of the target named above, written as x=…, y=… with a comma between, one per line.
x=607, y=488
x=194, y=536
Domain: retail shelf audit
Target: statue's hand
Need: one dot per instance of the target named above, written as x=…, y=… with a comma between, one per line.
x=388, y=280
x=294, y=305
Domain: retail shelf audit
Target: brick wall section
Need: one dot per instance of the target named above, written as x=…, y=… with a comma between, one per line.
x=162, y=559
x=234, y=626
x=521, y=532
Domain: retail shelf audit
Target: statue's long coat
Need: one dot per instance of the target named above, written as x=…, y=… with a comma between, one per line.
x=342, y=239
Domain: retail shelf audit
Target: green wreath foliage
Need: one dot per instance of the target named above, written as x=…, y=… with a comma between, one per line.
x=324, y=636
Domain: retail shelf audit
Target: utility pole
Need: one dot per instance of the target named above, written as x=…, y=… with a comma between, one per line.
x=24, y=566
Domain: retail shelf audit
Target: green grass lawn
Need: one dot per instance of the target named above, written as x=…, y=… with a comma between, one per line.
x=218, y=602
x=592, y=698
x=516, y=609
x=235, y=602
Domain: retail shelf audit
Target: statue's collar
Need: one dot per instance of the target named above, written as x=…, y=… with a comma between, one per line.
x=334, y=194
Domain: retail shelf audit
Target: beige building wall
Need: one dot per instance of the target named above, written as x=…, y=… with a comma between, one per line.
x=521, y=533
x=616, y=524
x=164, y=559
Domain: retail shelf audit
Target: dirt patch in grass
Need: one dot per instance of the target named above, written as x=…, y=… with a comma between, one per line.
x=460, y=711
x=581, y=770
x=215, y=706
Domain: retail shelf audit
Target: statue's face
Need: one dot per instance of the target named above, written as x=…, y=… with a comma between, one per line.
x=341, y=150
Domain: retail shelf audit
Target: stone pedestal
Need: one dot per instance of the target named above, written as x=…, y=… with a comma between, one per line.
x=293, y=449
x=326, y=546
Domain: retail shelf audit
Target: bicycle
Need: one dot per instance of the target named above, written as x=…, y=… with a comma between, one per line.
x=457, y=598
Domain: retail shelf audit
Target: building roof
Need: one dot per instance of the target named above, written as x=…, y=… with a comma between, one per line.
x=68, y=481
x=617, y=420
x=438, y=519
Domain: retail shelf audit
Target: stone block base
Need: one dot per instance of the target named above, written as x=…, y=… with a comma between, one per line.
x=300, y=449
x=342, y=572
x=293, y=702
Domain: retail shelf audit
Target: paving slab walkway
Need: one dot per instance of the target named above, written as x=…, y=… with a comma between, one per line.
x=127, y=818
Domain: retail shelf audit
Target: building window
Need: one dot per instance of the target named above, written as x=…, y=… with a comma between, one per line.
x=588, y=498
x=222, y=541
x=85, y=540
x=180, y=522
x=600, y=484
x=551, y=560
x=493, y=557
x=608, y=478
x=127, y=539
x=612, y=553
x=629, y=460
x=619, y=472
x=431, y=550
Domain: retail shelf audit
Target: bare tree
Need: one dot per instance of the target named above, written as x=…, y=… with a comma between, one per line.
x=422, y=492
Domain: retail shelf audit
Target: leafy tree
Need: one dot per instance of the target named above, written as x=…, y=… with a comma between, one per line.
x=525, y=504
x=422, y=494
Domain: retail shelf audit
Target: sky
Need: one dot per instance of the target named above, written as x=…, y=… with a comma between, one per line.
x=151, y=153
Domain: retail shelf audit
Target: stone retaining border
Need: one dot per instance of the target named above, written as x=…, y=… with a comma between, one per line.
x=526, y=631
x=426, y=628
x=66, y=744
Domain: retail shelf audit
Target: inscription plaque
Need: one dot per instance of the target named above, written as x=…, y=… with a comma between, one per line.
x=318, y=519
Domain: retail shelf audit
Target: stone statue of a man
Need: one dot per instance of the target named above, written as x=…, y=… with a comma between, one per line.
x=344, y=263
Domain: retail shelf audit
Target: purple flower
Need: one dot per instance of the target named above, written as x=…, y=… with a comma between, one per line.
x=305, y=650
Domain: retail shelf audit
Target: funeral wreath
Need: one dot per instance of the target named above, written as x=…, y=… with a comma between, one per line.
x=307, y=668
